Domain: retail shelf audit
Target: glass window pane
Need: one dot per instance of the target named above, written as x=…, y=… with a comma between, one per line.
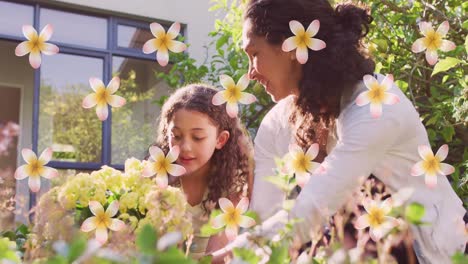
x=76, y=29
x=73, y=132
x=13, y=16
x=133, y=125
x=132, y=37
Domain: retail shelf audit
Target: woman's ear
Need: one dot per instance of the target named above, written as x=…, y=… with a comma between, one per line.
x=222, y=139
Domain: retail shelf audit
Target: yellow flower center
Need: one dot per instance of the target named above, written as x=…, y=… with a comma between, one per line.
x=233, y=94
x=35, y=44
x=35, y=168
x=102, y=220
x=433, y=40
x=300, y=162
x=302, y=39
x=232, y=217
x=376, y=94
x=161, y=42
x=102, y=95
x=376, y=217
x=161, y=165
x=431, y=165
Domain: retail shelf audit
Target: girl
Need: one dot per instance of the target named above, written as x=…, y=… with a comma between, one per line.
x=214, y=150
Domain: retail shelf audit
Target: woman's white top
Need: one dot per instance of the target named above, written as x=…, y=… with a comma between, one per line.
x=386, y=147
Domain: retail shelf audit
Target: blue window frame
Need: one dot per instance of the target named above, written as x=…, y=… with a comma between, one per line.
x=106, y=54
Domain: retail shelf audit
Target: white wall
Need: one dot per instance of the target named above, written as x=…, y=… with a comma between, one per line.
x=193, y=13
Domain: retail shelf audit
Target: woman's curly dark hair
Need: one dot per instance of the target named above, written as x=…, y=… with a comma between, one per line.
x=232, y=164
x=328, y=73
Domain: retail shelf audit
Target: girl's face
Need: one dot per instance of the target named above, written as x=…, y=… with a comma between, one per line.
x=197, y=138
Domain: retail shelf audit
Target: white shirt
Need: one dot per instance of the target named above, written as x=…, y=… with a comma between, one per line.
x=387, y=147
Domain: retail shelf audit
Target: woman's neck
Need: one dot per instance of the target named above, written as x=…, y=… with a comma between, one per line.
x=195, y=184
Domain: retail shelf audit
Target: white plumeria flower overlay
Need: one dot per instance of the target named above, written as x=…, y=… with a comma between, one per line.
x=232, y=217
x=376, y=218
x=303, y=40
x=36, y=44
x=433, y=41
x=35, y=168
x=432, y=165
x=302, y=163
x=233, y=94
x=162, y=165
x=102, y=220
x=377, y=94
x=163, y=42
x=103, y=96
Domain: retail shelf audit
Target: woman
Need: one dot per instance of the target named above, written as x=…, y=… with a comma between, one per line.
x=316, y=103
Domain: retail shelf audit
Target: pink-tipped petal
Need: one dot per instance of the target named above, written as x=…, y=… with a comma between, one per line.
x=176, y=46
x=46, y=32
x=157, y=30
x=173, y=154
x=446, y=169
x=22, y=49
x=302, y=55
x=430, y=180
x=162, y=56
x=386, y=206
x=148, y=170
x=289, y=44
x=417, y=169
x=20, y=172
x=28, y=155
x=49, y=173
x=243, y=205
x=174, y=30
x=226, y=81
x=442, y=152
x=156, y=153
x=313, y=28
x=376, y=110
x=362, y=222
x=101, y=235
x=89, y=224
x=363, y=99
x=50, y=49
x=376, y=233
x=29, y=32
x=418, y=46
x=391, y=99
x=247, y=98
x=219, y=98
x=89, y=101
x=369, y=81
x=46, y=155
x=313, y=166
x=149, y=46
x=296, y=27
x=431, y=57
x=176, y=170
x=313, y=151
x=113, y=85
x=95, y=83
x=294, y=148
x=116, y=101
x=218, y=221
x=35, y=59
x=96, y=207
x=316, y=44
x=231, y=232
x=113, y=208
x=447, y=45
x=162, y=181
x=116, y=225
x=102, y=112
x=425, y=27
x=246, y=221
x=425, y=152
x=243, y=82
x=34, y=183
x=232, y=109
x=225, y=204
x=368, y=203
x=302, y=179
x=387, y=82
x=443, y=28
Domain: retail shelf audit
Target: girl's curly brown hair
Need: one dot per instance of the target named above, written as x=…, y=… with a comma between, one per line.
x=329, y=72
x=231, y=165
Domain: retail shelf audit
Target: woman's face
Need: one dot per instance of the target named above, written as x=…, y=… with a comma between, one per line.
x=278, y=71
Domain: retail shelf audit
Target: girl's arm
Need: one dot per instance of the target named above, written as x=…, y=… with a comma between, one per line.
x=215, y=243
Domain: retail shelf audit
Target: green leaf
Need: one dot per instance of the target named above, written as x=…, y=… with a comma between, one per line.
x=207, y=229
x=459, y=258
x=279, y=255
x=246, y=255
x=414, y=212
x=445, y=64
x=466, y=43
x=77, y=248
x=447, y=133
x=146, y=239
x=221, y=41
x=173, y=255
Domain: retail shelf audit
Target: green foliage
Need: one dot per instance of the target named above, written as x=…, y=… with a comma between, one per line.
x=146, y=239
x=414, y=213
